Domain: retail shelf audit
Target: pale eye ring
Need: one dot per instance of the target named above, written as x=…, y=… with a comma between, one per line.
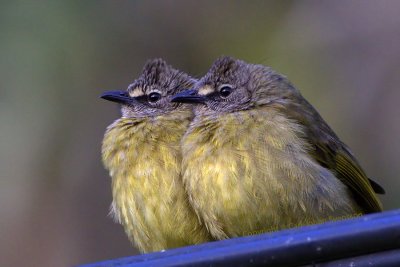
x=154, y=97
x=225, y=90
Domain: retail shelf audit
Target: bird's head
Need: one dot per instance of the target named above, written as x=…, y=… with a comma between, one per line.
x=150, y=94
x=233, y=85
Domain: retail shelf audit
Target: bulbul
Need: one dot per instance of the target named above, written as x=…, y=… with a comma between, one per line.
x=142, y=153
x=258, y=157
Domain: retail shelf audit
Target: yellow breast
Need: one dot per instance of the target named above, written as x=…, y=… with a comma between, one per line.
x=249, y=172
x=143, y=157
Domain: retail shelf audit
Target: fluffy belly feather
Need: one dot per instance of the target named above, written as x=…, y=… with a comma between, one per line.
x=248, y=173
x=149, y=199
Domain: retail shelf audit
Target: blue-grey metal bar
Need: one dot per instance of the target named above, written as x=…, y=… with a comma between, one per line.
x=375, y=234
x=387, y=258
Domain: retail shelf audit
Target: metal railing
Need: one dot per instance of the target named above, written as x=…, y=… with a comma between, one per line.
x=371, y=240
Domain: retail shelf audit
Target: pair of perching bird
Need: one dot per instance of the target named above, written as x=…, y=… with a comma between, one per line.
x=237, y=152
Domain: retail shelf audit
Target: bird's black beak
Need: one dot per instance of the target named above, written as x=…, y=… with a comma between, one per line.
x=121, y=97
x=189, y=96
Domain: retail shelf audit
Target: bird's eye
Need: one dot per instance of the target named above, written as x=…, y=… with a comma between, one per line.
x=225, y=90
x=154, y=97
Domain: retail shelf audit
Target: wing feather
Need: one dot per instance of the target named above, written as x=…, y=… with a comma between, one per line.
x=331, y=153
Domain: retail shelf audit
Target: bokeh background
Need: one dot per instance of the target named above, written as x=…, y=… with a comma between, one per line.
x=56, y=57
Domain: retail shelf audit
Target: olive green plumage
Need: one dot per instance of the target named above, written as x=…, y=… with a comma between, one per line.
x=257, y=157
x=142, y=152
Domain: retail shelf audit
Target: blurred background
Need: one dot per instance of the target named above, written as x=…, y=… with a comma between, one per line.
x=57, y=57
